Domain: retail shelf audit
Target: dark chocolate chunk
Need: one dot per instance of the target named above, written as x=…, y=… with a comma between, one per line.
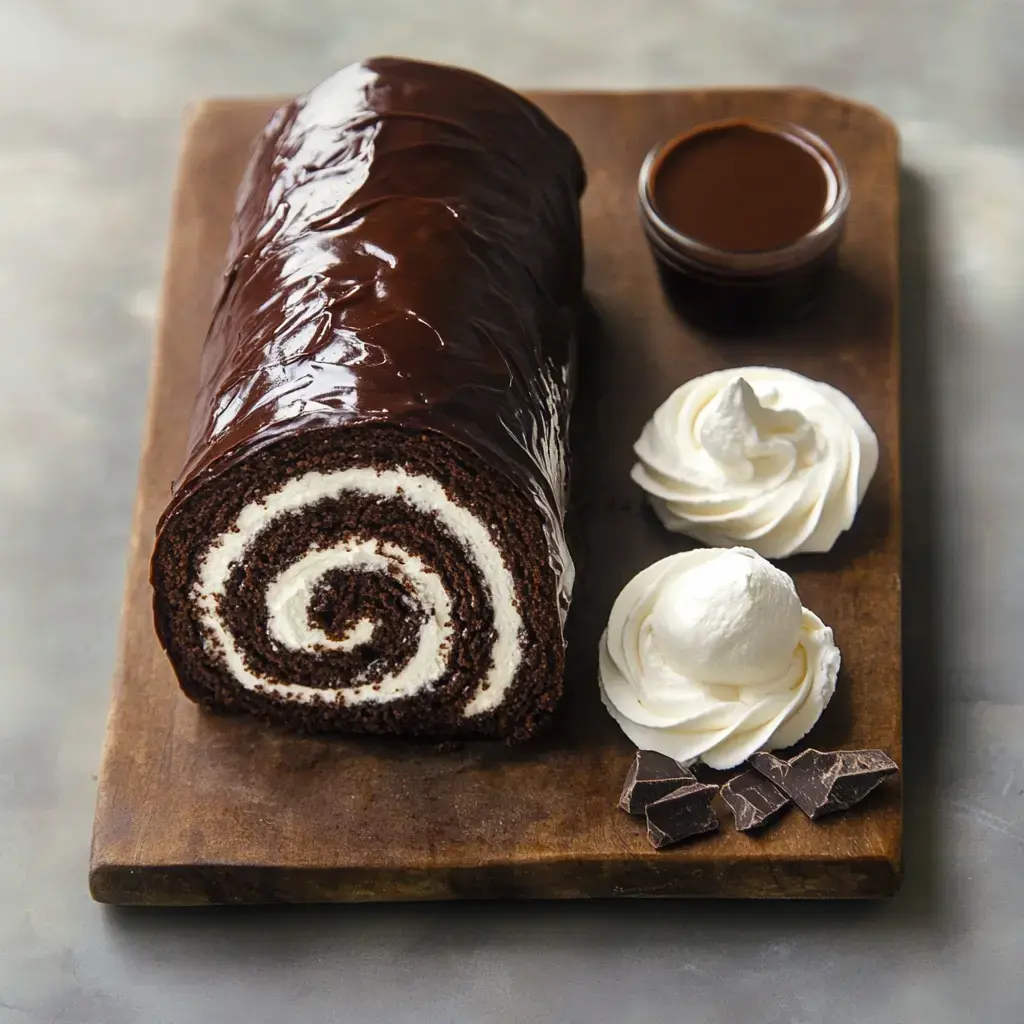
x=685, y=812
x=651, y=776
x=823, y=782
x=753, y=799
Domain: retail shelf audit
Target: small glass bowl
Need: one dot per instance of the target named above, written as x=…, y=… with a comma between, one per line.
x=745, y=291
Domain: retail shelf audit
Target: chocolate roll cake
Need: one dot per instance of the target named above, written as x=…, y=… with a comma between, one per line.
x=367, y=534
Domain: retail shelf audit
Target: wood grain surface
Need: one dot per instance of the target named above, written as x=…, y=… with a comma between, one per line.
x=195, y=809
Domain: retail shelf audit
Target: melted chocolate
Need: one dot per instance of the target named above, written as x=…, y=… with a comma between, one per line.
x=742, y=188
x=406, y=248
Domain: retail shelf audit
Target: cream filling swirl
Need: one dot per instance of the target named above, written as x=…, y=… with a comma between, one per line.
x=287, y=598
x=761, y=457
x=709, y=655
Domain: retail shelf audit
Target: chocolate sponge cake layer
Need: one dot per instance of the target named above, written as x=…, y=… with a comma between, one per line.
x=367, y=534
x=367, y=557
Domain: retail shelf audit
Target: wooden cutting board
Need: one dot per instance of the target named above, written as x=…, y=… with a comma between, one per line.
x=194, y=809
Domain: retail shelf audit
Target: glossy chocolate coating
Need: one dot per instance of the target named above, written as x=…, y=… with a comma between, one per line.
x=406, y=248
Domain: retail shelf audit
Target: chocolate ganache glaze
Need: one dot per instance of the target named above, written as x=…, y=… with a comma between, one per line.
x=406, y=248
x=406, y=253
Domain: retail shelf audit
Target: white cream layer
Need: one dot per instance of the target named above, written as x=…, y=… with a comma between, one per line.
x=289, y=595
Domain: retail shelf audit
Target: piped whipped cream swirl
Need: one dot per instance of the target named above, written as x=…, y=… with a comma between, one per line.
x=760, y=456
x=709, y=655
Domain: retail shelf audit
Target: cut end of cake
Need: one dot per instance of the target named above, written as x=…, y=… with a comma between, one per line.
x=366, y=580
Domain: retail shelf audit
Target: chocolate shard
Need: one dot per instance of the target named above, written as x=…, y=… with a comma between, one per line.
x=685, y=812
x=651, y=776
x=823, y=782
x=754, y=800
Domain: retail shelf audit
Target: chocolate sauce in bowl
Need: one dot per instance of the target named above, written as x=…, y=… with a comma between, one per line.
x=744, y=219
x=743, y=188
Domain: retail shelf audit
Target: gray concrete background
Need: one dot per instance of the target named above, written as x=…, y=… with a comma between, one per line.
x=89, y=123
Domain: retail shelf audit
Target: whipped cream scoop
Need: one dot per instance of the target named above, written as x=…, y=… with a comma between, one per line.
x=762, y=457
x=710, y=655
